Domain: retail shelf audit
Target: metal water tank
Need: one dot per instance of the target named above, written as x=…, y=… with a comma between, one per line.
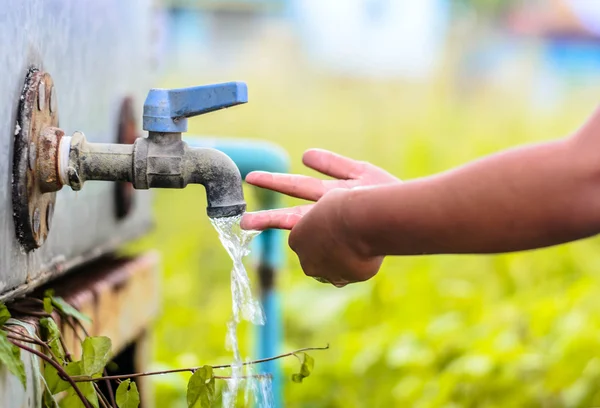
x=101, y=58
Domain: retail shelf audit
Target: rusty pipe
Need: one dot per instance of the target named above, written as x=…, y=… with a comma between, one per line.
x=81, y=161
x=162, y=160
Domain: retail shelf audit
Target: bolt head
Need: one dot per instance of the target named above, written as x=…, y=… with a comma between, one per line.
x=36, y=221
x=32, y=155
x=53, y=101
x=42, y=96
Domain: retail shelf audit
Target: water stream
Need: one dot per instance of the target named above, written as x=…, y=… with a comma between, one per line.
x=236, y=242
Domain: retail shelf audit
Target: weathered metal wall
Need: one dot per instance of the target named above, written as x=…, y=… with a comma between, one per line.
x=98, y=53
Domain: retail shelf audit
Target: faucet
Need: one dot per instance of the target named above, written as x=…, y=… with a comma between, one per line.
x=162, y=160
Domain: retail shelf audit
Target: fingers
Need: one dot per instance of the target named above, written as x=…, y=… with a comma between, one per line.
x=332, y=164
x=310, y=188
x=307, y=188
x=284, y=218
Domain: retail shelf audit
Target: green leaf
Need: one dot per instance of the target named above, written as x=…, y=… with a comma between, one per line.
x=201, y=388
x=72, y=400
x=48, y=308
x=10, y=357
x=53, y=381
x=57, y=384
x=4, y=314
x=69, y=310
x=88, y=390
x=128, y=395
x=74, y=368
x=306, y=368
x=96, y=353
x=51, y=335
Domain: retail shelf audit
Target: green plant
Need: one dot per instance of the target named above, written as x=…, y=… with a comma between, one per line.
x=76, y=381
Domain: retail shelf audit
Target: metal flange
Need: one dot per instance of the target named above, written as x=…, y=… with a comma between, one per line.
x=33, y=207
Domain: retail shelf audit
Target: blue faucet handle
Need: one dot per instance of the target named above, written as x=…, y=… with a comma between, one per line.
x=167, y=110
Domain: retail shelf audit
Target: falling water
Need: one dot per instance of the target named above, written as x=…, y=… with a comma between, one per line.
x=244, y=307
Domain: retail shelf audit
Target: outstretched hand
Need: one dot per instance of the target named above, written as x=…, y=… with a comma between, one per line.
x=348, y=173
x=319, y=238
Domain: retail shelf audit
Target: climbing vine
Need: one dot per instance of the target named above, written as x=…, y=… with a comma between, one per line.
x=74, y=383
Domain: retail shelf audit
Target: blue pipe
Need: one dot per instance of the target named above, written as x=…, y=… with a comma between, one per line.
x=250, y=156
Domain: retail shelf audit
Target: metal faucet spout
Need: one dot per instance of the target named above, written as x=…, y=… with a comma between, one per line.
x=220, y=177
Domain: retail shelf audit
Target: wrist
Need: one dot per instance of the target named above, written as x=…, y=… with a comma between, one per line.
x=354, y=219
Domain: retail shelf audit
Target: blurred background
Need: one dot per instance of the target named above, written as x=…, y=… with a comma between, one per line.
x=415, y=87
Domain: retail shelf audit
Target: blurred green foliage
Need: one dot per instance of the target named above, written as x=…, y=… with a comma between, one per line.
x=486, y=6
x=442, y=331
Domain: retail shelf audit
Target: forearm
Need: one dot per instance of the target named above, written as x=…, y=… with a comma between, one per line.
x=525, y=198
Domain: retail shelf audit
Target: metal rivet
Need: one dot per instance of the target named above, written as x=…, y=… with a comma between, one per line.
x=32, y=155
x=53, y=101
x=49, y=213
x=42, y=96
x=36, y=221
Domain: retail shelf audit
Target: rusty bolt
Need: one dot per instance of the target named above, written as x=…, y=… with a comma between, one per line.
x=49, y=214
x=36, y=221
x=41, y=96
x=47, y=163
x=53, y=101
x=32, y=155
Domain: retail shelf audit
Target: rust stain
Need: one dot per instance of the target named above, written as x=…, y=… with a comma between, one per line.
x=121, y=296
x=31, y=201
x=47, y=164
x=127, y=134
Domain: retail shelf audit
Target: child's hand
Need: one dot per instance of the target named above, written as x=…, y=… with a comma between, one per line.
x=325, y=251
x=328, y=247
x=348, y=172
x=534, y=196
